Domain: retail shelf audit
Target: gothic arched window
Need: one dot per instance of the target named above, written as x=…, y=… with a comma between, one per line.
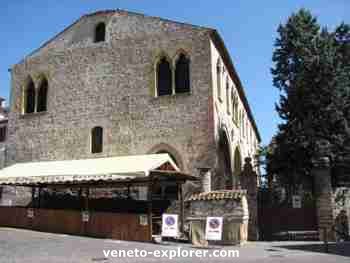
x=233, y=101
x=236, y=112
x=29, y=97
x=228, y=106
x=164, y=78
x=218, y=78
x=42, y=96
x=182, y=74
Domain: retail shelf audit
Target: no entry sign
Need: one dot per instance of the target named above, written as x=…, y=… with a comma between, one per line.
x=213, y=229
x=169, y=225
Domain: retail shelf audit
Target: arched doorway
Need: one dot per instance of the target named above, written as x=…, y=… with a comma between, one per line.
x=225, y=169
x=237, y=164
x=171, y=156
x=173, y=153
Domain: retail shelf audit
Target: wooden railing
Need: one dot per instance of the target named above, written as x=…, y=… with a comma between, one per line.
x=121, y=226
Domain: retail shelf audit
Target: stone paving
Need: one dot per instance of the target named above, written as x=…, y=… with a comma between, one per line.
x=36, y=247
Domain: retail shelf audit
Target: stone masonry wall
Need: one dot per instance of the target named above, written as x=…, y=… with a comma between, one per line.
x=111, y=84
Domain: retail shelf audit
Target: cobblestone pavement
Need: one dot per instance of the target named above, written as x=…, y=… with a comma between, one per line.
x=35, y=247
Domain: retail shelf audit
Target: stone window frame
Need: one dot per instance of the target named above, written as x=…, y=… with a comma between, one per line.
x=29, y=83
x=228, y=102
x=159, y=58
x=235, y=114
x=174, y=65
x=37, y=85
x=172, y=62
x=219, y=74
x=239, y=122
x=43, y=84
x=243, y=124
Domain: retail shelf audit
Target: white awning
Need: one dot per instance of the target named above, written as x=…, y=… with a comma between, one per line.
x=86, y=170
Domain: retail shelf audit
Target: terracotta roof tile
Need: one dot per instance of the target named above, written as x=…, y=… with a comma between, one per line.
x=218, y=195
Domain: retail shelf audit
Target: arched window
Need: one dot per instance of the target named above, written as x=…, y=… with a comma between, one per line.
x=100, y=32
x=42, y=96
x=236, y=110
x=218, y=78
x=182, y=74
x=29, y=100
x=97, y=140
x=243, y=125
x=233, y=101
x=228, y=106
x=164, y=80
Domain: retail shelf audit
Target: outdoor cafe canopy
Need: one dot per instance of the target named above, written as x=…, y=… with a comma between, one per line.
x=92, y=171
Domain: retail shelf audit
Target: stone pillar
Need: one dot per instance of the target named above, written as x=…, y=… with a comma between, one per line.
x=249, y=182
x=2, y=165
x=205, y=174
x=2, y=157
x=321, y=173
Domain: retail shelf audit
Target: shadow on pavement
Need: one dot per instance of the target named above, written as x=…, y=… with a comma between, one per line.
x=341, y=249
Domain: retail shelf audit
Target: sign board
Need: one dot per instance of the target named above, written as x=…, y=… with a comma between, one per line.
x=85, y=216
x=170, y=225
x=30, y=213
x=143, y=220
x=296, y=200
x=213, y=228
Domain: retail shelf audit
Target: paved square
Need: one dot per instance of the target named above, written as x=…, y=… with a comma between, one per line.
x=22, y=246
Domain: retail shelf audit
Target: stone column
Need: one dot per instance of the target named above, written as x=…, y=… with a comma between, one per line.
x=321, y=173
x=249, y=182
x=205, y=174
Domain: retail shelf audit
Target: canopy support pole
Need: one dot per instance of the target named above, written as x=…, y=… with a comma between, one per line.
x=182, y=211
x=33, y=197
x=39, y=197
x=87, y=193
x=150, y=208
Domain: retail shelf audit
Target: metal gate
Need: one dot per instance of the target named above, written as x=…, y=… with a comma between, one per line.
x=278, y=221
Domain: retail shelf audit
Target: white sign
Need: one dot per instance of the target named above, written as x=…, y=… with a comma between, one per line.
x=85, y=216
x=169, y=225
x=143, y=220
x=296, y=201
x=30, y=213
x=213, y=228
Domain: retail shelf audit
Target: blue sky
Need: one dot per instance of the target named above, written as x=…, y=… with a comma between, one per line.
x=248, y=28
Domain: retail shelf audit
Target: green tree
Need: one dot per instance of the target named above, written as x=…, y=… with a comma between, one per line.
x=312, y=72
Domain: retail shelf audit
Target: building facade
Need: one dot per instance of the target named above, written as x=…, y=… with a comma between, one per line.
x=3, y=137
x=118, y=83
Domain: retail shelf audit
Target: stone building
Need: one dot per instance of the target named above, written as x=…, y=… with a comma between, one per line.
x=118, y=83
x=3, y=136
x=80, y=80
